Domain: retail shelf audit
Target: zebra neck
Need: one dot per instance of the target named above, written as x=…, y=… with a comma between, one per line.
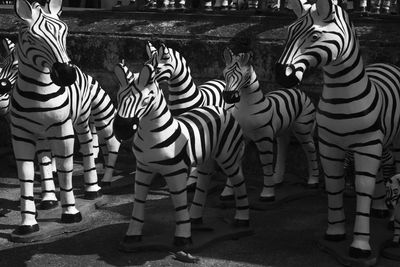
x=252, y=93
x=32, y=78
x=158, y=124
x=184, y=95
x=346, y=81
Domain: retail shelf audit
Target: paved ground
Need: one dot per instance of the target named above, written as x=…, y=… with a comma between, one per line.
x=284, y=236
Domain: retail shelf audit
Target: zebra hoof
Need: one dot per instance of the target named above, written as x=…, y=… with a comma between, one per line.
x=182, y=241
x=237, y=223
x=197, y=221
x=191, y=187
x=26, y=229
x=380, y=214
x=359, y=253
x=227, y=198
x=48, y=204
x=71, y=218
x=92, y=195
x=313, y=186
x=267, y=199
x=335, y=238
x=129, y=239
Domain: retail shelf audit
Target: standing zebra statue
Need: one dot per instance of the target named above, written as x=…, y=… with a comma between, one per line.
x=51, y=99
x=171, y=145
x=8, y=77
x=266, y=119
x=183, y=93
x=359, y=110
x=393, y=201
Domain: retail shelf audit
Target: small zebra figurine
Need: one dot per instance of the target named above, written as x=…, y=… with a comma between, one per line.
x=266, y=119
x=359, y=110
x=171, y=145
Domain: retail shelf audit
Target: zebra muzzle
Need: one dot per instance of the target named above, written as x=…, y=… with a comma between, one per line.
x=125, y=128
x=5, y=86
x=231, y=97
x=285, y=75
x=63, y=74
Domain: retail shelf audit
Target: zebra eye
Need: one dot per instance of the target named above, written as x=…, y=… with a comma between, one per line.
x=315, y=36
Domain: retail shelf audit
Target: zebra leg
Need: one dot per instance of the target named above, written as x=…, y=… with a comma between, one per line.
x=191, y=182
x=304, y=133
x=176, y=181
x=279, y=169
x=110, y=151
x=89, y=167
x=265, y=147
x=233, y=171
x=396, y=235
x=24, y=154
x=204, y=172
x=49, y=199
x=95, y=139
x=332, y=160
x=367, y=162
x=62, y=145
x=227, y=193
x=143, y=180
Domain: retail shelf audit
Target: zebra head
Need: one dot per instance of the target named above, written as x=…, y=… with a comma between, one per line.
x=8, y=75
x=238, y=74
x=8, y=68
x=42, y=42
x=393, y=191
x=135, y=99
x=318, y=38
x=167, y=64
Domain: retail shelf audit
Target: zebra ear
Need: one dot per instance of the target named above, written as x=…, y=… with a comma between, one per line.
x=121, y=75
x=8, y=46
x=26, y=11
x=54, y=7
x=228, y=55
x=150, y=49
x=325, y=9
x=299, y=7
x=245, y=59
x=146, y=76
x=163, y=52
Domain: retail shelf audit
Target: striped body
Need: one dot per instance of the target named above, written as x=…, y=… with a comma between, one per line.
x=267, y=120
x=183, y=93
x=171, y=145
x=359, y=110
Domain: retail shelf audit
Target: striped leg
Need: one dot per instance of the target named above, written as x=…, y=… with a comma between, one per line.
x=143, y=180
x=62, y=145
x=176, y=181
x=233, y=171
x=24, y=155
x=192, y=179
x=305, y=137
x=204, y=173
x=265, y=147
x=110, y=151
x=396, y=236
x=43, y=150
x=89, y=166
x=367, y=161
x=95, y=138
x=332, y=160
x=281, y=148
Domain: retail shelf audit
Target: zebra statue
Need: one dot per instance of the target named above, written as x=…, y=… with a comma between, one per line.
x=266, y=119
x=51, y=98
x=171, y=145
x=183, y=93
x=359, y=110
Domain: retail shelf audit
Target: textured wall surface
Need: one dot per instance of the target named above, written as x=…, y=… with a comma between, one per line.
x=98, y=40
